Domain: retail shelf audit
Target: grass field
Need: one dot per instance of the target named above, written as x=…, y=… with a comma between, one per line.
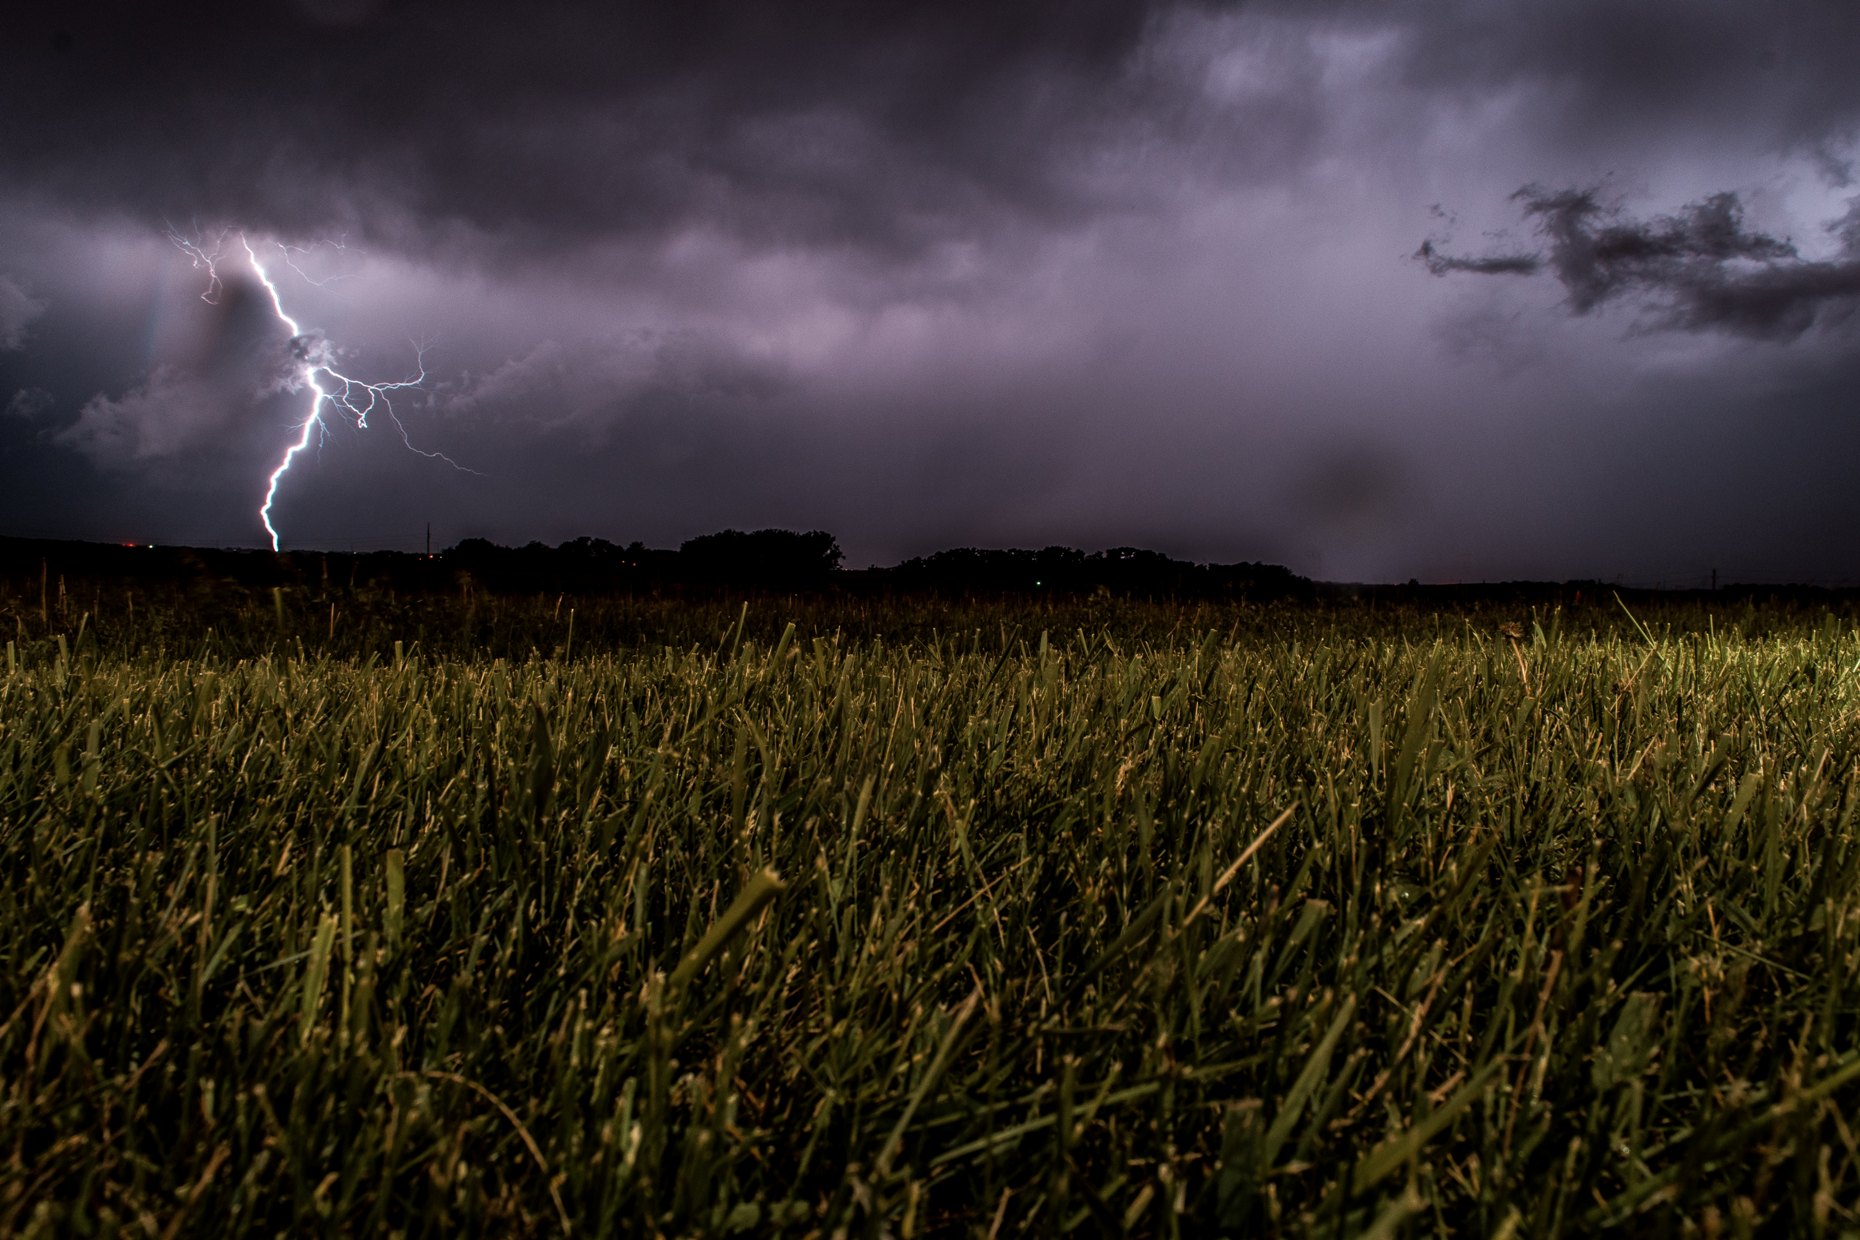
x=536, y=917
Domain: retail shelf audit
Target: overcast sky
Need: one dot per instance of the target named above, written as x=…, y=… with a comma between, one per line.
x=1450, y=289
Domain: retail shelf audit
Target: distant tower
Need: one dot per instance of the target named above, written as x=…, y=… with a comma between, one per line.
x=429, y=540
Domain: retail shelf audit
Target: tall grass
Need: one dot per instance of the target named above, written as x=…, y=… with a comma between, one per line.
x=1319, y=921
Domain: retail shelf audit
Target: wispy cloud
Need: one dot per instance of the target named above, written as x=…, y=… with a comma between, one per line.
x=18, y=309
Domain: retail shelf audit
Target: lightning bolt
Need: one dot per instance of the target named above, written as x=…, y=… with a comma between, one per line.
x=314, y=359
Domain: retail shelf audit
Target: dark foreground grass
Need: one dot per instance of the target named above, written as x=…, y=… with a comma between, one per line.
x=1318, y=922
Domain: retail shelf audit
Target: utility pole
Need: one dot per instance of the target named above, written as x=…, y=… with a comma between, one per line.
x=429, y=540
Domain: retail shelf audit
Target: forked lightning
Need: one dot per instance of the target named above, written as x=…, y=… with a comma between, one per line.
x=314, y=360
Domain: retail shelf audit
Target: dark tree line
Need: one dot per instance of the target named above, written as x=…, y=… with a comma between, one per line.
x=771, y=560
x=781, y=560
x=1129, y=571
x=756, y=561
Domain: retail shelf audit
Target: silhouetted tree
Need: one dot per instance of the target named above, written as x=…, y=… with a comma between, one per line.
x=762, y=559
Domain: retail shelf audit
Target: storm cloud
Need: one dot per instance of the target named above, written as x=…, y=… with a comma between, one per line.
x=1702, y=268
x=884, y=126
x=1016, y=271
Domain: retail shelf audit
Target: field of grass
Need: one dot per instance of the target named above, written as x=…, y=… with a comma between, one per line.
x=544, y=917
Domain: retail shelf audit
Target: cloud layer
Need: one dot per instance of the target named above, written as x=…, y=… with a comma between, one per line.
x=989, y=271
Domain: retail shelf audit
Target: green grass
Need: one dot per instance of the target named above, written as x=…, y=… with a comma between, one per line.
x=1325, y=920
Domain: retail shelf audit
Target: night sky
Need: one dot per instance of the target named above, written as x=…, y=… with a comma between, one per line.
x=1451, y=289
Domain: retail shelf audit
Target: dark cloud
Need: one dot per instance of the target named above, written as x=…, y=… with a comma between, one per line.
x=1349, y=484
x=430, y=123
x=1596, y=74
x=1702, y=268
x=1441, y=264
